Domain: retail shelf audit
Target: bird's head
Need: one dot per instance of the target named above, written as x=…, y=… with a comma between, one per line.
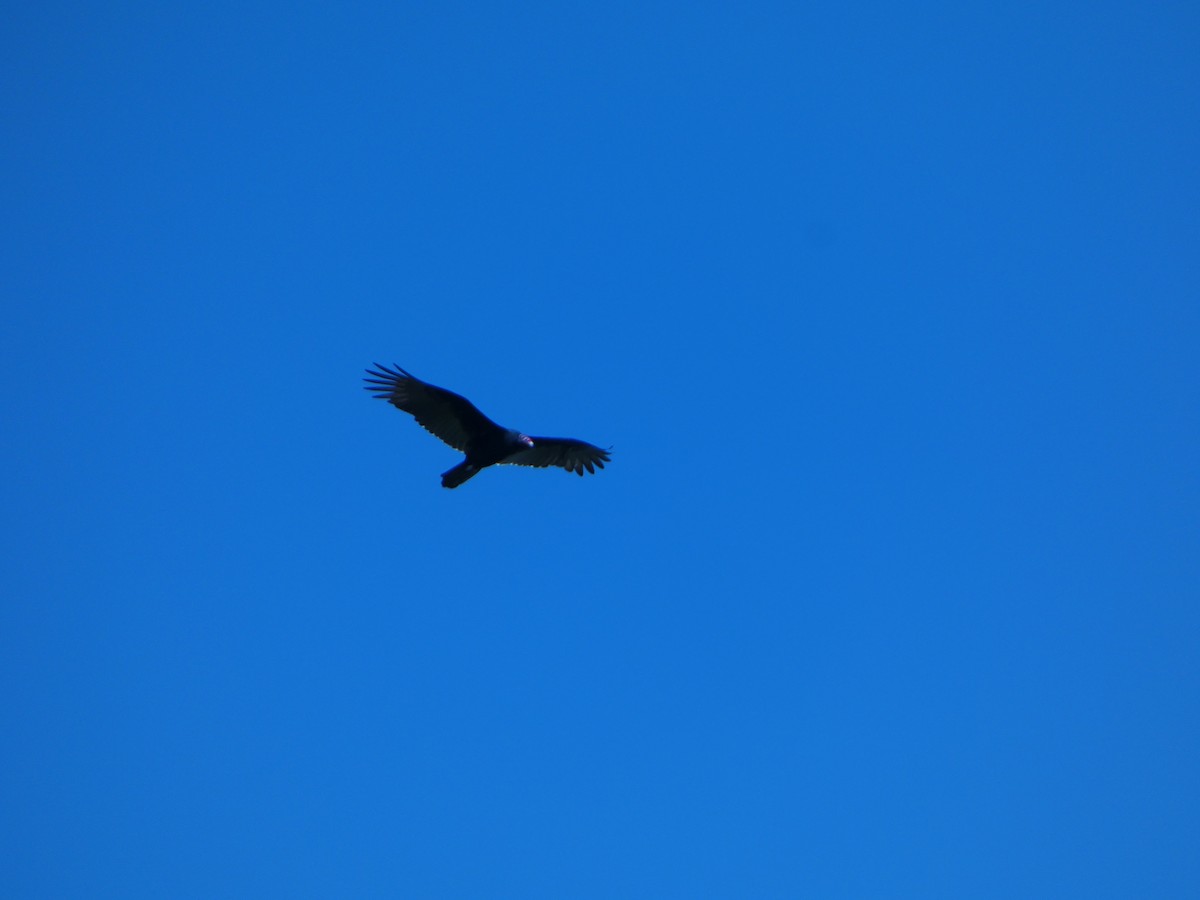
x=525, y=439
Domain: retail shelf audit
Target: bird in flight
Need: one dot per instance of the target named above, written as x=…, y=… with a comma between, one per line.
x=456, y=421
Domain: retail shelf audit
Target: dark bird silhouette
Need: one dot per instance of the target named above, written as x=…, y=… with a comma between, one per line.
x=456, y=421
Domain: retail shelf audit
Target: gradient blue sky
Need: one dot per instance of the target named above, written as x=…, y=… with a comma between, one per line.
x=891, y=314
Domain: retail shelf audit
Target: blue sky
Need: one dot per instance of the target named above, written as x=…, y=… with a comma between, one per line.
x=889, y=313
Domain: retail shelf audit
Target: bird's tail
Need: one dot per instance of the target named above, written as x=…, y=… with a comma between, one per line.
x=460, y=473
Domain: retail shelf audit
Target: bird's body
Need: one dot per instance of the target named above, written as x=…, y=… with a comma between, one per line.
x=456, y=421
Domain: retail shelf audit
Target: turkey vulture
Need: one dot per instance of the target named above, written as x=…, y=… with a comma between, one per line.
x=456, y=421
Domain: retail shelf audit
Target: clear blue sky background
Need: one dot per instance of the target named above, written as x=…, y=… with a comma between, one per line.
x=890, y=313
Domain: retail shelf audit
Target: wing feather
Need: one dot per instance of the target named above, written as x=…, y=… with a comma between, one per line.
x=444, y=414
x=567, y=453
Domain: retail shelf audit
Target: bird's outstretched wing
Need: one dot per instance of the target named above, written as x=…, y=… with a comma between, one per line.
x=570, y=454
x=442, y=413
